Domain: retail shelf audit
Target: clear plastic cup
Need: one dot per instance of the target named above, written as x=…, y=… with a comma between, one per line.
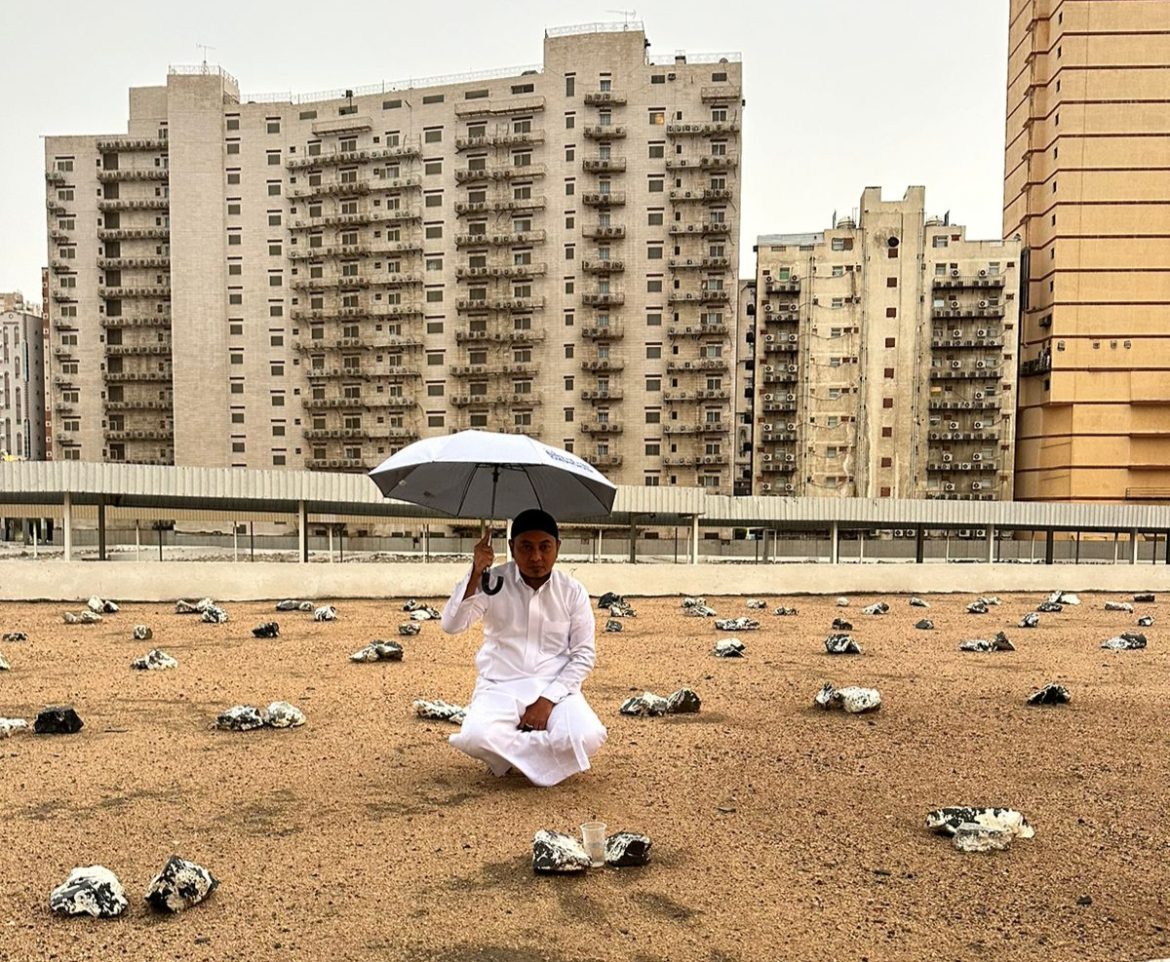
x=593, y=838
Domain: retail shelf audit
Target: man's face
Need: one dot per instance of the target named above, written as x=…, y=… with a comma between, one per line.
x=535, y=553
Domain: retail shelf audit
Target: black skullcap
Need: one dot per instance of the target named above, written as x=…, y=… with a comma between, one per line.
x=533, y=519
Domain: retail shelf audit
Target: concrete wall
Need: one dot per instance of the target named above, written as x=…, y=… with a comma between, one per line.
x=132, y=581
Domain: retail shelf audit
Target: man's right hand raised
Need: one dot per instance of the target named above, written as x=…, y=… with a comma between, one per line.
x=481, y=560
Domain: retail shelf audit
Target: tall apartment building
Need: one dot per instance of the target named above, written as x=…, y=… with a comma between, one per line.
x=885, y=358
x=745, y=385
x=22, y=380
x=1087, y=177
x=316, y=281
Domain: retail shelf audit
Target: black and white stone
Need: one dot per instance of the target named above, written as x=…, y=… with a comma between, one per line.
x=924, y=624
x=327, y=613
x=214, y=615
x=266, y=629
x=609, y=599
x=411, y=605
x=154, y=660
x=1030, y=620
x=378, y=651
x=685, y=701
x=729, y=648
x=946, y=821
x=742, y=623
x=1000, y=643
x=58, y=720
x=555, y=853
x=990, y=600
x=1119, y=606
x=877, y=608
x=840, y=624
x=439, y=710
x=851, y=699
x=15, y=636
x=977, y=608
x=306, y=606
x=1065, y=598
x=1144, y=599
x=408, y=628
x=755, y=603
x=84, y=617
x=612, y=626
x=918, y=603
x=842, y=602
x=4, y=666
x=193, y=607
x=1050, y=694
x=1050, y=607
x=627, y=850
x=90, y=890
x=288, y=604
x=1146, y=621
x=1126, y=641
x=100, y=606
x=425, y=613
x=180, y=885
x=622, y=610
x=842, y=645
x=10, y=726
x=697, y=608
x=240, y=718
x=785, y=612
x=973, y=837
x=281, y=714
x=645, y=704
x=142, y=633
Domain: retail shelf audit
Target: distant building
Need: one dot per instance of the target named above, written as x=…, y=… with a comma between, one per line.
x=315, y=281
x=745, y=380
x=885, y=358
x=22, y=380
x=1086, y=182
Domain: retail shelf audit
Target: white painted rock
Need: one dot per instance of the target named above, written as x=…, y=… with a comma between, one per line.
x=154, y=660
x=729, y=648
x=142, y=633
x=85, y=617
x=408, y=628
x=557, y=853
x=1126, y=641
x=1119, y=606
x=743, y=623
x=946, y=821
x=10, y=726
x=193, y=607
x=756, y=603
x=240, y=718
x=100, y=606
x=1145, y=621
x=851, y=699
x=439, y=710
x=1030, y=620
x=685, y=701
x=877, y=608
x=325, y=613
x=785, y=612
x=1000, y=643
x=180, y=885
x=280, y=714
x=918, y=603
x=645, y=704
x=14, y=636
x=1050, y=694
x=842, y=602
x=977, y=608
x=973, y=837
x=214, y=615
x=378, y=651
x=89, y=890
x=4, y=666
x=842, y=645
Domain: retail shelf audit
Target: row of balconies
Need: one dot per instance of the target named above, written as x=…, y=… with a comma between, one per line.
x=971, y=465
x=699, y=364
x=963, y=435
x=959, y=342
x=472, y=305
x=356, y=250
x=701, y=427
x=687, y=460
x=392, y=402
x=131, y=233
x=412, y=149
x=489, y=107
x=604, y=98
x=121, y=321
x=603, y=332
x=709, y=162
x=781, y=405
x=514, y=336
x=604, y=165
x=603, y=298
x=470, y=175
x=727, y=92
x=778, y=377
x=364, y=372
x=138, y=203
x=601, y=427
x=369, y=342
x=139, y=404
x=603, y=198
x=512, y=237
x=609, y=394
x=703, y=228
x=336, y=464
x=781, y=347
x=705, y=195
x=603, y=364
x=775, y=286
x=527, y=399
x=779, y=437
x=983, y=309
x=505, y=270
x=140, y=434
x=127, y=292
x=129, y=377
x=125, y=263
x=1036, y=365
x=603, y=131
x=778, y=467
x=603, y=460
x=393, y=279
x=603, y=266
x=713, y=296
x=946, y=374
x=373, y=431
x=509, y=205
x=961, y=404
x=346, y=313
x=142, y=173
x=354, y=187
x=503, y=138
x=708, y=129
x=126, y=143
x=493, y=370
x=706, y=394
x=697, y=330
x=128, y=350
x=957, y=279
x=360, y=219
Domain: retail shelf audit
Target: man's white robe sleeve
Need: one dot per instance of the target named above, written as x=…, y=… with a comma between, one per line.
x=582, y=654
x=459, y=614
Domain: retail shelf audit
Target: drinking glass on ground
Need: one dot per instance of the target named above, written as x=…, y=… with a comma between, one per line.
x=593, y=838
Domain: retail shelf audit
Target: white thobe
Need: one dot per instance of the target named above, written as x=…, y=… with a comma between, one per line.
x=537, y=643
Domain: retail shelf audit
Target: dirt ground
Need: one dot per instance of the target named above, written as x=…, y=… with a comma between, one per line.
x=780, y=832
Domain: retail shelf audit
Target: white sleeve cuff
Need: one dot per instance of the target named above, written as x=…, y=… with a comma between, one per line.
x=556, y=692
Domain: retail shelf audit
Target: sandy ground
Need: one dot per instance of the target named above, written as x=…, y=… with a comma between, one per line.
x=779, y=831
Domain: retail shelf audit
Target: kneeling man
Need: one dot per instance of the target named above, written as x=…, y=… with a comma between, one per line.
x=527, y=711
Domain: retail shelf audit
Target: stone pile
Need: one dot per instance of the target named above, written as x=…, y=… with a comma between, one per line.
x=729, y=648
x=378, y=651
x=697, y=608
x=327, y=613
x=1126, y=641
x=408, y=628
x=682, y=702
x=999, y=643
x=621, y=609
x=89, y=890
x=58, y=720
x=246, y=718
x=100, y=606
x=1050, y=607
x=142, y=633
x=266, y=629
x=742, y=623
x=1050, y=694
x=84, y=617
x=154, y=660
x=854, y=700
x=193, y=607
x=180, y=885
x=784, y=612
x=214, y=615
x=439, y=710
x=842, y=645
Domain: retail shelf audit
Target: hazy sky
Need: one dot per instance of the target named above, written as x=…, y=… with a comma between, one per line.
x=841, y=94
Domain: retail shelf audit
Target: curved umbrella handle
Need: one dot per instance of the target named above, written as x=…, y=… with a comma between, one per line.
x=485, y=583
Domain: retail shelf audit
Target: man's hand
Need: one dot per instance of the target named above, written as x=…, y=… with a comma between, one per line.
x=535, y=717
x=481, y=560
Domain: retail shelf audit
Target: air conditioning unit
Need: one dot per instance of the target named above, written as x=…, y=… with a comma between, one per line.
x=948, y=486
x=965, y=466
x=769, y=397
x=765, y=487
x=978, y=425
x=767, y=307
x=769, y=368
x=789, y=488
x=769, y=338
x=947, y=457
x=790, y=458
x=792, y=369
x=976, y=485
x=982, y=332
x=687, y=365
x=708, y=459
x=769, y=427
x=956, y=273
x=791, y=425
x=978, y=395
x=976, y=456
x=790, y=307
x=690, y=260
x=957, y=332
x=792, y=338
x=980, y=365
x=789, y=397
x=956, y=364
x=983, y=303
x=983, y=272
x=954, y=303
x=953, y=425
x=767, y=458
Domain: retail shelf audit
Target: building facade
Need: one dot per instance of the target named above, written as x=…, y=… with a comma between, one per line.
x=745, y=385
x=316, y=281
x=1086, y=182
x=22, y=380
x=885, y=358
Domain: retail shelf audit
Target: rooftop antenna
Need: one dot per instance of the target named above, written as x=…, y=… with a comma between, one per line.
x=204, y=47
x=627, y=16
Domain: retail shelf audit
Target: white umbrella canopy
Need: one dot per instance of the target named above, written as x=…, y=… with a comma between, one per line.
x=481, y=474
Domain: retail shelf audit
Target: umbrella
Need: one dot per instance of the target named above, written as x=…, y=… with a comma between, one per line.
x=460, y=475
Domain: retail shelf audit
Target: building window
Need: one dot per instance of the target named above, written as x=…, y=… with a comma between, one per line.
x=887, y=402
x=891, y=282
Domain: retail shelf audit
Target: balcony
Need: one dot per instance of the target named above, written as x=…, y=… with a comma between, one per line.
x=946, y=467
x=54, y=177
x=354, y=187
x=146, y=321
x=506, y=304
x=145, y=173
x=366, y=372
x=370, y=342
x=699, y=364
x=496, y=240
x=355, y=250
x=54, y=206
x=603, y=198
x=139, y=404
x=604, y=131
x=1036, y=365
x=779, y=374
x=707, y=394
x=140, y=434
x=493, y=370
x=604, y=165
x=697, y=330
x=356, y=281
x=131, y=377
x=961, y=373
x=466, y=273
x=502, y=138
x=779, y=467
x=708, y=162
x=783, y=345
x=603, y=460
x=604, y=98
x=713, y=296
x=373, y=215
x=139, y=203
x=510, y=105
x=129, y=293
x=706, y=195
x=959, y=342
x=369, y=431
x=602, y=396
x=604, y=231
x=702, y=427
x=336, y=464
x=603, y=332
x=603, y=266
x=467, y=175
x=961, y=404
x=124, y=263
x=688, y=460
x=699, y=263
x=722, y=92
x=358, y=313
x=603, y=298
x=128, y=350
x=601, y=427
x=703, y=228
x=132, y=233
x=119, y=144
x=390, y=402
x=709, y=129
x=979, y=435
x=602, y=364
x=527, y=335
x=957, y=279
x=510, y=205
x=332, y=159
x=782, y=285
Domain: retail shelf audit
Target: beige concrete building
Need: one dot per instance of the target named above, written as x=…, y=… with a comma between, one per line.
x=1087, y=177
x=745, y=385
x=885, y=358
x=22, y=380
x=315, y=281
